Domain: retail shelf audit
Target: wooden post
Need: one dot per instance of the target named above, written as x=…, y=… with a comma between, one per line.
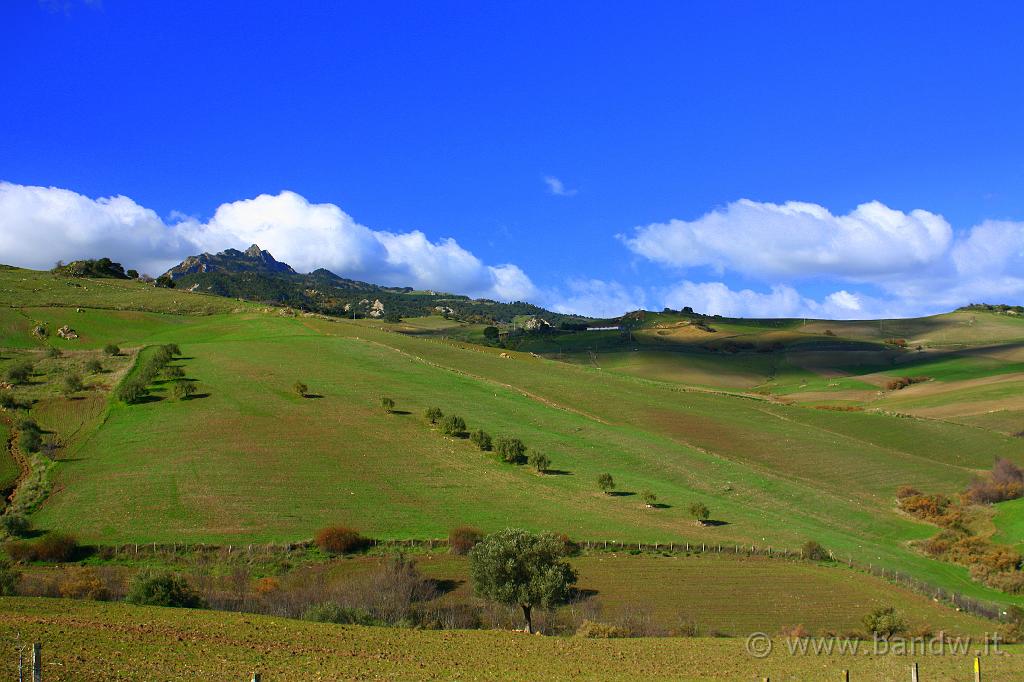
x=977, y=669
x=913, y=673
x=37, y=662
x=255, y=677
x=846, y=676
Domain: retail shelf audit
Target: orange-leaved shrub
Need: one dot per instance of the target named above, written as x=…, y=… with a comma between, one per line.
x=339, y=540
x=463, y=539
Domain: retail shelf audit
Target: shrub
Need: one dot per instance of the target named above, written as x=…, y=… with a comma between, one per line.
x=30, y=440
x=94, y=366
x=55, y=547
x=8, y=401
x=72, y=384
x=19, y=372
x=329, y=612
x=52, y=352
x=795, y=631
x=491, y=333
x=814, y=551
x=1004, y=482
x=172, y=349
x=9, y=578
x=165, y=281
x=595, y=630
x=300, y=389
x=481, y=439
x=131, y=391
x=1011, y=582
x=163, y=589
x=510, y=450
x=463, y=539
x=174, y=372
x=266, y=585
x=649, y=498
x=884, y=622
x=907, y=491
x=927, y=507
x=339, y=540
x=15, y=525
x=387, y=404
x=111, y=349
x=183, y=390
x=539, y=461
x=433, y=414
x=606, y=483
x=83, y=583
x=453, y=425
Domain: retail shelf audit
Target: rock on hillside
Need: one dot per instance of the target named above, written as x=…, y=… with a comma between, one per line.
x=253, y=259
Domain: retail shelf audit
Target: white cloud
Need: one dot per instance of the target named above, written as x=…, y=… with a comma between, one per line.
x=557, y=187
x=596, y=298
x=798, y=239
x=39, y=225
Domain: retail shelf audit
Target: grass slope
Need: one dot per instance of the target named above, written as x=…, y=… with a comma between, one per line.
x=96, y=641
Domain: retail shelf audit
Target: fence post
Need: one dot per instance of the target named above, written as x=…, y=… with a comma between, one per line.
x=913, y=673
x=255, y=677
x=37, y=662
x=977, y=669
x=846, y=676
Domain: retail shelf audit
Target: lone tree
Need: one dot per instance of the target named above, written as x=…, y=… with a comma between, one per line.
x=481, y=439
x=511, y=450
x=433, y=414
x=72, y=384
x=700, y=512
x=649, y=498
x=111, y=349
x=300, y=389
x=453, y=425
x=518, y=568
x=387, y=403
x=539, y=461
x=606, y=483
x=491, y=333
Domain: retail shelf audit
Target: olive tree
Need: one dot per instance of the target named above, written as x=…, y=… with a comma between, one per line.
x=539, y=461
x=453, y=425
x=700, y=512
x=510, y=450
x=519, y=568
x=387, y=404
x=606, y=483
x=300, y=389
x=433, y=414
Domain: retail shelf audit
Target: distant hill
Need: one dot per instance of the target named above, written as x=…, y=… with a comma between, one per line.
x=255, y=275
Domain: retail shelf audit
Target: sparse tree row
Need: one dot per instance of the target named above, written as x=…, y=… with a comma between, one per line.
x=507, y=449
x=135, y=389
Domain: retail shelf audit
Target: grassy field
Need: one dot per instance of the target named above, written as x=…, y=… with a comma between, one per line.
x=96, y=641
x=248, y=460
x=1009, y=522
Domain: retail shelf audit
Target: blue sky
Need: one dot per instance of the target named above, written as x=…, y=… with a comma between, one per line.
x=420, y=143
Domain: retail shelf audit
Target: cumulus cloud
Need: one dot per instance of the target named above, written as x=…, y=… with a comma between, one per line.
x=557, y=187
x=596, y=298
x=798, y=239
x=912, y=263
x=39, y=225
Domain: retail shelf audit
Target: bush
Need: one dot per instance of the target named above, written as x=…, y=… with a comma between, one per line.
x=165, y=282
x=1004, y=482
x=52, y=352
x=163, y=589
x=814, y=551
x=510, y=450
x=330, y=612
x=19, y=372
x=111, y=349
x=481, y=439
x=94, y=366
x=463, y=539
x=8, y=401
x=606, y=483
x=174, y=372
x=172, y=349
x=884, y=622
x=907, y=491
x=387, y=404
x=453, y=425
x=30, y=440
x=83, y=583
x=15, y=525
x=595, y=630
x=433, y=414
x=9, y=578
x=700, y=512
x=72, y=384
x=649, y=498
x=339, y=540
x=131, y=391
x=55, y=547
x=183, y=390
x=300, y=389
